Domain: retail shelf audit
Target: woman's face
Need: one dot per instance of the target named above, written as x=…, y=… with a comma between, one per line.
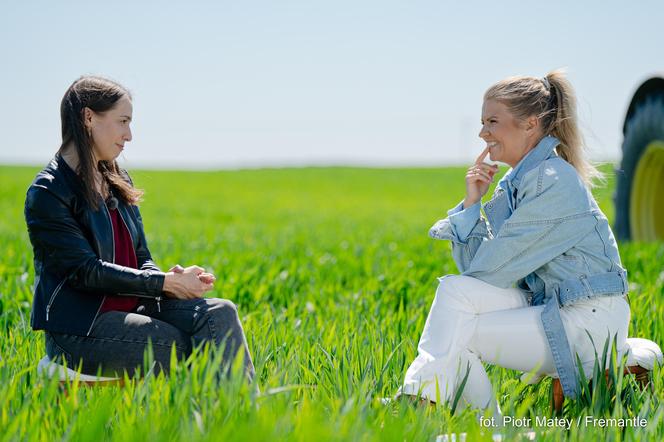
x=110, y=130
x=508, y=138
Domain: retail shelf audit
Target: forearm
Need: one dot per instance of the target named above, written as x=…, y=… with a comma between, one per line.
x=99, y=276
x=463, y=253
x=463, y=250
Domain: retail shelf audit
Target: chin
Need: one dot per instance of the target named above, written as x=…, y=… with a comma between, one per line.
x=496, y=157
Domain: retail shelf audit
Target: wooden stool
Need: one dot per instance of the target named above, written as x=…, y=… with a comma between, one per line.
x=641, y=357
x=51, y=370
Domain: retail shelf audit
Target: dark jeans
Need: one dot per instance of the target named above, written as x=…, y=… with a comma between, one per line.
x=118, y=340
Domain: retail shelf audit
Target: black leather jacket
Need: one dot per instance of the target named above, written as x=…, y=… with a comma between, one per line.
x=74, y=253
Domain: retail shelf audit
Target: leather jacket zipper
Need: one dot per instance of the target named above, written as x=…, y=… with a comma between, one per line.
x=52, y=298
x=112, y=236
x=112, y=230
x=156, y=298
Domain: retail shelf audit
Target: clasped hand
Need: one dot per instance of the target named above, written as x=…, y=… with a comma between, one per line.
x=187, y=283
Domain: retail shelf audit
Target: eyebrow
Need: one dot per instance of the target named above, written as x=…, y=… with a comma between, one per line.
x=488, y=118
x=126, y=116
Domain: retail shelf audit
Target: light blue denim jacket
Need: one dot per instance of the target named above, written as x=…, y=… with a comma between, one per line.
x=543, y=233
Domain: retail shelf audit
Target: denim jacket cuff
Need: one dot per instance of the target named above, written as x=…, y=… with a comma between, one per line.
x=462, y=221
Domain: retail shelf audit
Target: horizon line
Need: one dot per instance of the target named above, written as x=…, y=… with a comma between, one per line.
x=284, y=164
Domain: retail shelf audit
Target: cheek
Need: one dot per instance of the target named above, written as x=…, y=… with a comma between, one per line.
x=100, y=133
x=499, y=133
x=106, y=135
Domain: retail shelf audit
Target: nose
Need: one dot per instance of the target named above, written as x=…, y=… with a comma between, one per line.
x=484, y=132
x=128, y=134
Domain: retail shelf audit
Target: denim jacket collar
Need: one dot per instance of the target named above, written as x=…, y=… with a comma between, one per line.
x=512, y=179
x=543, y=151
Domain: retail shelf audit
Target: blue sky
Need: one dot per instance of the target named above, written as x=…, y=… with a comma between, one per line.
x=267, y=83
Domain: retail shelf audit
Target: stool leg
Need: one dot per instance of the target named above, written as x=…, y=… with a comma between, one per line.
x=558, y=396
x=641, y=375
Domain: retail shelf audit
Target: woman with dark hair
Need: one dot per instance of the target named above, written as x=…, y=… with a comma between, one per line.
x=98, y=295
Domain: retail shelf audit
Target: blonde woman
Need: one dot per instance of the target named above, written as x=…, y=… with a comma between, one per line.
x=541, y=279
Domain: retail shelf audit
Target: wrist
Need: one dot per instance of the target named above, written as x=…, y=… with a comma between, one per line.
x=169, y=283
x=469, y=202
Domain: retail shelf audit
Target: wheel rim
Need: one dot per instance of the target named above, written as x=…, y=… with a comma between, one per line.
x=646, y=208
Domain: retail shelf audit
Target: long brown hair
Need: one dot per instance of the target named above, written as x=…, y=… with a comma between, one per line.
x=553, y=101
x=99, y=95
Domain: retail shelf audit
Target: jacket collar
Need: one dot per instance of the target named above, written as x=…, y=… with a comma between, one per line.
x=543, y=151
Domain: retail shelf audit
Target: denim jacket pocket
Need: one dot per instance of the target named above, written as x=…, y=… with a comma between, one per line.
x=569, y=264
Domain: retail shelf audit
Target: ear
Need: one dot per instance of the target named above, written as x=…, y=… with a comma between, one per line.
x=87, y=117
x=532, y=123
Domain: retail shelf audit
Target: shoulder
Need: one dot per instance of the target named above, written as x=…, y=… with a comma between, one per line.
x=43, y=203
x=50, y=186
x=553, y=173
x=558, y=183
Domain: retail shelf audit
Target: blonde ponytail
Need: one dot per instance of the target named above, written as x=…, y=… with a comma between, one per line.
x=564, y=126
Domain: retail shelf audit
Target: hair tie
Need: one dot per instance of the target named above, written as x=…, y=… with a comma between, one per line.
x=547, y=85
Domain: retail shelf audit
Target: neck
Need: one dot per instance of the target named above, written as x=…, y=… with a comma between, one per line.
x=531, y=145
x=69, y=154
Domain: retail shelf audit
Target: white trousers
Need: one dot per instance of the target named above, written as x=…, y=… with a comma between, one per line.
x=471, y=321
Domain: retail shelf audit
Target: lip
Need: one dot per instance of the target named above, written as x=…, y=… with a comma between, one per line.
x=120, y=146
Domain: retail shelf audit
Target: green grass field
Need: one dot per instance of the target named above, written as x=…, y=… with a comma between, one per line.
x=333, y=273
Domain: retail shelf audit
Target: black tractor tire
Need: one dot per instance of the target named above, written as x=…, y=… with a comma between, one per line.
x=645, y=125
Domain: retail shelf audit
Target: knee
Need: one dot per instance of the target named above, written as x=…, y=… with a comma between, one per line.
x=448, y=286
x=451, y=289
x=223, y=311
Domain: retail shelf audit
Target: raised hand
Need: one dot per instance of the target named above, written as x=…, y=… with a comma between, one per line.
x=478, y=179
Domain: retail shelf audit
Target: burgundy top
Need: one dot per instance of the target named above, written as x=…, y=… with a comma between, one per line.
x=124, y=256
